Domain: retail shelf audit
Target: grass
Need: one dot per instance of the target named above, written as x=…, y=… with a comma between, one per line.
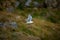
x=42, y=27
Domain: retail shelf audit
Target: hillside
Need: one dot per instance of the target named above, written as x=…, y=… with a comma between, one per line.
x=46, y=25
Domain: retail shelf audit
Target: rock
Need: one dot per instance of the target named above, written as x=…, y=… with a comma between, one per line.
x=28, y=2
x=13, y=24
x=36, y=4
x=17, y=3
x=1, y=24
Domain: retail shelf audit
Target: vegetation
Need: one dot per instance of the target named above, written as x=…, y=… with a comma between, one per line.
x=46, y=24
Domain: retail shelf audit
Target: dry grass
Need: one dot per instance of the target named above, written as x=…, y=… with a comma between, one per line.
x=41, y=29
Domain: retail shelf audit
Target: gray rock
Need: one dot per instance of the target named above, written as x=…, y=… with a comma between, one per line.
x=13, y=24
x=36, y=4
x=1, y=24
x=17, y=3
x=28, y=2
